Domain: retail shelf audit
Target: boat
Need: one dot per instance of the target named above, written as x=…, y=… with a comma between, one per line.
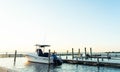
x=43, y=57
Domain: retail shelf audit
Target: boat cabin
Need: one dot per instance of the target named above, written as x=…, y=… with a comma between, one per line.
x=40, y=52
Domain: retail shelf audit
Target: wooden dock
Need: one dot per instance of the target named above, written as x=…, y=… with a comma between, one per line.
x=11, y=55
x=91, y=63
x=89, y=58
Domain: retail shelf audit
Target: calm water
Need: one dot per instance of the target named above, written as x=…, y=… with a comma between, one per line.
x=23, y=66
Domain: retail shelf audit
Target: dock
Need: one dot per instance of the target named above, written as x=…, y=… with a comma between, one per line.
x=11, y=55
x=92, y=63
x=91, y=59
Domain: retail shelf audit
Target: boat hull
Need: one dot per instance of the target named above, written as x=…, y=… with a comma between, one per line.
x=39, y=59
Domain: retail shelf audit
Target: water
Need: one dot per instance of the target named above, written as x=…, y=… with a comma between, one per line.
x=23, y=66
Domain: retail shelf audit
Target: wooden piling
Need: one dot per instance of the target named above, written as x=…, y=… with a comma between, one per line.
x=78, y=53
x=82, y=56
x=91, y=53
x=49, y=58
x=49, y=61
x=107, y=54
x=102, y=58
x=98, y=60
x=72, y=53
x=67, y=55
x=85, y=52
x=6, y=54
x=15, y=57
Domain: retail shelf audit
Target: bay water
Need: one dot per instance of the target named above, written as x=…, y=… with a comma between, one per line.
x=23, y=66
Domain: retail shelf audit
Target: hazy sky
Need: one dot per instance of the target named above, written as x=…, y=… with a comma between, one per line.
x=64, y=24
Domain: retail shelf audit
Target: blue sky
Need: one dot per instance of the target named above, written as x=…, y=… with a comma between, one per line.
x=64, y=24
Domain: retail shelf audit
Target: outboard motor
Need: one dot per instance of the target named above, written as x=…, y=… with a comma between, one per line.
x=56, y=60
x=59, y=61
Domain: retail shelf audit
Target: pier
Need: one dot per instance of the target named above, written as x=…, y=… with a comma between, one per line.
x=11, y=55
x=107, y=59
x=91, y=63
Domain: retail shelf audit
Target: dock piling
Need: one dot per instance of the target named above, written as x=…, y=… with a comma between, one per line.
x=79, y=53
x=15, y=57
x=6, y=54
x=91, y=53
x=49, y=61
x=67, y=55
x=82, y=56
x=98, y=60
x=49, y=57
x=72, y=53
x=85, y=53
x=102, y=58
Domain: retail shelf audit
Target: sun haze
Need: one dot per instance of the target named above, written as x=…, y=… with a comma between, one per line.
x=64, y=24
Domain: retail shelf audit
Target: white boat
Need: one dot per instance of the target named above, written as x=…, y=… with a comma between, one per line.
x=43, y=57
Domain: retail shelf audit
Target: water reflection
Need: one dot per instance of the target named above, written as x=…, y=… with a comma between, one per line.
x=23, y=66
x=36, y=67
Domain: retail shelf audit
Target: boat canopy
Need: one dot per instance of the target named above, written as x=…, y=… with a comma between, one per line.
x=42, y=45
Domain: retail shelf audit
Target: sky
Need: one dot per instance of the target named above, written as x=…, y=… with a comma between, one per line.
x=63, y=24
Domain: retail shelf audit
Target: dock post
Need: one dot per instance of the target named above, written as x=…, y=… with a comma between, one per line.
x=49, y=61
x=6, y=54
x=108, y=56
x=15, y=57
x=85, y=53
x=49, y=57
x=67, y=55
x=91, y=53
x=102, y=58
x=82, y=56
x=72, y=53
x=98, y=60
x=78, y=53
